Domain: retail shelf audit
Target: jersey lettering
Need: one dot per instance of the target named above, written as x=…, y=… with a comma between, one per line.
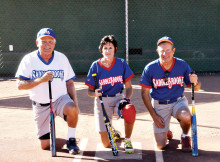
x=111, y=80
x=171, y=81
x=40, y=73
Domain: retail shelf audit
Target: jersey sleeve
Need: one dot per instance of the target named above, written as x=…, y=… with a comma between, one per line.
x=89, y=79
x=186, y=75
x=146, y=79
x=128, y=73
x=70, y=73
x=24, y=69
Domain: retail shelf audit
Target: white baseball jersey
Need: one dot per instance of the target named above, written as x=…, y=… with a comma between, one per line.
x=33, y=66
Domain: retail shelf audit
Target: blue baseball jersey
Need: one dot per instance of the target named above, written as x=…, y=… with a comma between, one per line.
x=111, y=79
x=153, y=77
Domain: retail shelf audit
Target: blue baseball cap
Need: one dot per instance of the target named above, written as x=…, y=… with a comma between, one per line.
x=46, y=32
x=165, y=39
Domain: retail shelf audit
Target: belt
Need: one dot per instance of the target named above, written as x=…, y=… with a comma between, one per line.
x=165, y=102
x=42, y=104
x=112, y=95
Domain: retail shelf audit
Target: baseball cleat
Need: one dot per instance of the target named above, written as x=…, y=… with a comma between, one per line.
x=128, y=146
x=116, y=134
x=72, y=146
x=169, y=135
x=186, y=144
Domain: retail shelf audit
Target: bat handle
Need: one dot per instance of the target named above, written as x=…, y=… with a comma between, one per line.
x=95, y=79
x=193, y=87
x=50, y=94
x=96, y=83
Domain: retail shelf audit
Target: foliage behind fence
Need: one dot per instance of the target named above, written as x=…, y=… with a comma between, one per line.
x=80, y=25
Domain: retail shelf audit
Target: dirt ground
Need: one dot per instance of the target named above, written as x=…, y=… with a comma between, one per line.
x=19, y=142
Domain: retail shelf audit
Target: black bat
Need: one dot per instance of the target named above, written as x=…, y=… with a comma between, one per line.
x=193, y=125
x=107, y=123
x=52, y=124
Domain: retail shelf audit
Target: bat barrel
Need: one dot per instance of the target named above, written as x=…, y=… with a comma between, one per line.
x=194, y=136
x=194, y=125
x=52, y=124
x=53, y=137
x=195, y=153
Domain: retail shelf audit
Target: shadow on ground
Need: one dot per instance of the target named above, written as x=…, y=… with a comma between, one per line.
x=209, y=84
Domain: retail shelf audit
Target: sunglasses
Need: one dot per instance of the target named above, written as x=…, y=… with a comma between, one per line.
x=166, y=74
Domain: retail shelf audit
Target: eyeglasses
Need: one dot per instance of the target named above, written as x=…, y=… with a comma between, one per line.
x=166, y=76
x=48, y=42
x=107, y=49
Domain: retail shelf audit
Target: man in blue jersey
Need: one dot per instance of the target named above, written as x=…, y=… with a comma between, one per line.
x=112, y=75
x=163, y=81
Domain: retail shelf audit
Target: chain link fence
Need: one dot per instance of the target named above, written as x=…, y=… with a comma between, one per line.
x=80, y=25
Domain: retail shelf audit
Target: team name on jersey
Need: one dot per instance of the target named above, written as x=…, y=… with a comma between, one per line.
x=171, y=81
x=40, y=73
x=111, y=80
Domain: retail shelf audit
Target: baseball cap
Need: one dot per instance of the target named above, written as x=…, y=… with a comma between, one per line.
x=165, y=39
x=46, y=32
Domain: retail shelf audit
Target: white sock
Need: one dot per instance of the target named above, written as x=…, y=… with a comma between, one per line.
x=71, y=133
x=184, y=135
x=127, y=139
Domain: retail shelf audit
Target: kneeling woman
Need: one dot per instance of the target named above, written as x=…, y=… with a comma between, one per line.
x=112, y=74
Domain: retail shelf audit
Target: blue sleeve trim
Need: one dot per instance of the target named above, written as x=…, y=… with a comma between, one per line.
x=71, y=78
x=22, y=77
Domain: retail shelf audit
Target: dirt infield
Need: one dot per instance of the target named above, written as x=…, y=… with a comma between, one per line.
x=19, y=142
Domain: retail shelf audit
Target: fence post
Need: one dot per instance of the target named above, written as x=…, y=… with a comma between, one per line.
x=126, y=30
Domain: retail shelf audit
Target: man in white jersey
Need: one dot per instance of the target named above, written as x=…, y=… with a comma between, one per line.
x=33, y=74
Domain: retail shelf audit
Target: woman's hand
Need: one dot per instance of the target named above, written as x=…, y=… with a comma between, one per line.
x=98, y=92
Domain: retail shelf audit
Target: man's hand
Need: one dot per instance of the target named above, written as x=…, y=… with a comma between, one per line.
x=159, y=122
x=193, y=78
x=47, y=76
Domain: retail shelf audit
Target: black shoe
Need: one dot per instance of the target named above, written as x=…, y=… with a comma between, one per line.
x=116, y=134
x=72, y=146
x=186, y=144
x=169, y=135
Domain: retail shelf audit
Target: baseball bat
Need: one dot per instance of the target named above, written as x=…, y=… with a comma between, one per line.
x=107, y=123
x=194, y=125
x=52, y=124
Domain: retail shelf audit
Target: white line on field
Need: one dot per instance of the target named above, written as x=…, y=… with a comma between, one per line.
x=82, y=147
x=158, y=153
x=105, y=154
